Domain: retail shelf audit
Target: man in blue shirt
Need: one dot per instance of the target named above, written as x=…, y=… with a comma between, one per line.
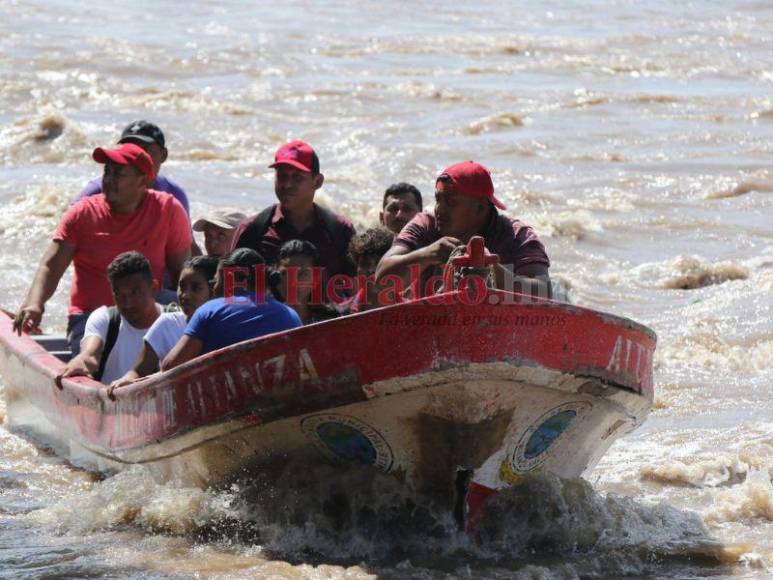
x=248, y=313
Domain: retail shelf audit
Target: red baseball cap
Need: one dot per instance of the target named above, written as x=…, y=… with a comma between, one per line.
x=297, y=154
x=126, y=154
x=471, y=179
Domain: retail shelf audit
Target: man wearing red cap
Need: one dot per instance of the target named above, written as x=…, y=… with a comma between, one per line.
x=126, y=216
x=296, y=216
x=465, y=206
x=151, y=138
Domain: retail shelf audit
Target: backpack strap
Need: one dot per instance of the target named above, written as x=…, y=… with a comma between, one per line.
x=253, y=233
x=112, y=336
x=338, y=232
x=256, y=229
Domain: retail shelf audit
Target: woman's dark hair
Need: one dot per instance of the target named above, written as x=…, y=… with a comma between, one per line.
x=204, y=265
x=243, y=258
x=289, y=250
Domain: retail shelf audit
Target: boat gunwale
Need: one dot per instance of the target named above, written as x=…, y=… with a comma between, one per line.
x=87, y=386
x=153, y=380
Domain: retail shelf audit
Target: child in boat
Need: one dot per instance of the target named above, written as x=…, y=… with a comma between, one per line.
x=193, y=290
x=242, y=310
x=365, y=250
x=293, y=286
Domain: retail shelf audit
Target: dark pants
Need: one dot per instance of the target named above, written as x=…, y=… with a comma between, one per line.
x=76, y=326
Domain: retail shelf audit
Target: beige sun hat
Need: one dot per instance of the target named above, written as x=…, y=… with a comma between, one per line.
x=224, y=217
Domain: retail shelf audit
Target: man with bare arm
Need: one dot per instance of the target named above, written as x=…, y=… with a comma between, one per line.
x=126, y=216
x=465, y=206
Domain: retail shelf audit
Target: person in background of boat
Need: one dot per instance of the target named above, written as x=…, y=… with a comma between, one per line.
x=194, y=289
x=127, y=216
x=465, y=206
x=224, y=321
x=402, y=201
x=297, y=259
x=106, y=355
x=297, y=177
x=366, y=251
x=219, y=227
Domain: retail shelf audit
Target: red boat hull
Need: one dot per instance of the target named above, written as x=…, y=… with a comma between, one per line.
x=417, y=389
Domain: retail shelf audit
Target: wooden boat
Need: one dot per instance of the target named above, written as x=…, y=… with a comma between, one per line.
x=447, y=397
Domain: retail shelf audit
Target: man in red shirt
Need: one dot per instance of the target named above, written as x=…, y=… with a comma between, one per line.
x=126, y=216
x=465, y=206
x=296, y=216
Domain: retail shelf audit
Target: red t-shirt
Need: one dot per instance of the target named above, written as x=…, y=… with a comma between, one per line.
x=157, y=228
x=516, y=243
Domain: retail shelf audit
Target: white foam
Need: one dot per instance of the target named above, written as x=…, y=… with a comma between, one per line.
x=688, y=272
x=575, y=224
x=752, y=500
x=48, y=137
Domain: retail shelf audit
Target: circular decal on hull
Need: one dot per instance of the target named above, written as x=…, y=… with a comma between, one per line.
x=349, y=439
x=533, y=446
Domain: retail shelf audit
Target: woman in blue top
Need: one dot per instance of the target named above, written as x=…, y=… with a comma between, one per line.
x=246, y=311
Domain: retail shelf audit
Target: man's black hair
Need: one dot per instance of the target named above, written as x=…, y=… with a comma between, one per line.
x=298, y=248
x=403, y=188
x=128, y=263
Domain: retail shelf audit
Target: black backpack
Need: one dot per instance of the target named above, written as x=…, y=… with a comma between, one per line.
x=256, y=229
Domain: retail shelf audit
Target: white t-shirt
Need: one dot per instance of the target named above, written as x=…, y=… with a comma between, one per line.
x=166, y=332
x=127, y=345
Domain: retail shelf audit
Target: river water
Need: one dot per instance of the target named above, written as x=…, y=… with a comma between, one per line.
x=636, y=137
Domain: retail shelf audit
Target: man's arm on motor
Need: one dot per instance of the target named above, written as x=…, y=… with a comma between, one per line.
x=398, y=260
x=53, y=265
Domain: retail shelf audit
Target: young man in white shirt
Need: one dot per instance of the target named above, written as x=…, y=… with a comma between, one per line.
x=113, y=336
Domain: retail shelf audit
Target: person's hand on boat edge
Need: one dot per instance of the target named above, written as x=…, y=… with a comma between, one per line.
x=125, y=380
x=28, y=320
x=77, y=367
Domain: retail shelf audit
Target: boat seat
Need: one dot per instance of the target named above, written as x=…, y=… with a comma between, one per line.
x=56, y=345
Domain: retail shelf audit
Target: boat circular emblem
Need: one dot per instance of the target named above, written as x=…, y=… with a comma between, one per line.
x=532, y=447
x=348, y=438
